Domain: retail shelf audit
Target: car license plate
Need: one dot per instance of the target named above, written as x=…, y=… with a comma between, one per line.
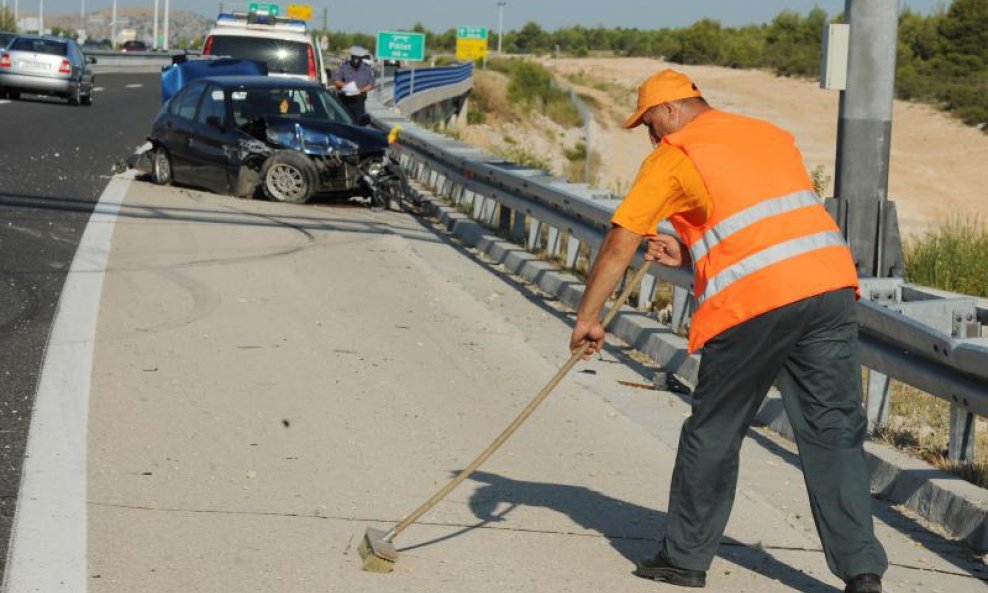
x=31, y=65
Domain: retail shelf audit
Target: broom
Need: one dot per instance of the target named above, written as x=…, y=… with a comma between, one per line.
x=377, y=550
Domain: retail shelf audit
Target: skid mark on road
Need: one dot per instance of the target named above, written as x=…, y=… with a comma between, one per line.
x=204, y=302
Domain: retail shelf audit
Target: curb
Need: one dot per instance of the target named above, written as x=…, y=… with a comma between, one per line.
x=940, y=497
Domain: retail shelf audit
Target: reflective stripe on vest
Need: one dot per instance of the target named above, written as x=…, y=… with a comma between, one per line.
x=769, y=256
x=748, y=217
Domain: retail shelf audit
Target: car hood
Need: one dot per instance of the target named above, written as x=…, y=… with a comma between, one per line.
x=284, y=131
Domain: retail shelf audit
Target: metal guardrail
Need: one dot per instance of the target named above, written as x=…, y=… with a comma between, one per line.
x=109, y=60
x=929, y=339
x=409, y=81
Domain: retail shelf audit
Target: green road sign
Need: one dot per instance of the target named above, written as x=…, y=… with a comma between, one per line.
x=399, y=45
x=471, y=33
x=271, y=9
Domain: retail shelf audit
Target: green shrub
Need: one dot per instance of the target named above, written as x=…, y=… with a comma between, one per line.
x=577, y=153
x=953, y=257
x=520, y=156
x=475, y=116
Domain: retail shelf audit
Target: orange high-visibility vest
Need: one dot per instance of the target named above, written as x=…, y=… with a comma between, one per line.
x=768, y=242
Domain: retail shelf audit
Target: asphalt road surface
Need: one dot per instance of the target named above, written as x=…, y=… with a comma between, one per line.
x=55, y=160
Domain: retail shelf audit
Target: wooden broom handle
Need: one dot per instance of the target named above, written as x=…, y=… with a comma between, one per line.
x=522, y=416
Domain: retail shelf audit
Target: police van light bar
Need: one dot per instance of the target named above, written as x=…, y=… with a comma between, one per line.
x=250, y=19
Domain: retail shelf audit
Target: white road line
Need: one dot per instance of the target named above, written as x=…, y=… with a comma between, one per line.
x=48, y=539
x=98, y=89
x=2, y=101
x=134, y=86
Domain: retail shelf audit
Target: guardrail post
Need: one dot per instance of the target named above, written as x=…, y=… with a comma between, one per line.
x=459, y=194
x=534, y=234
x=646, y=293
x=478, y=205
x=877, y=399
x=680, y=308
x=518, y=226
x=504, y=220
x=962, y=427
x=552, y=241
x=572, y=252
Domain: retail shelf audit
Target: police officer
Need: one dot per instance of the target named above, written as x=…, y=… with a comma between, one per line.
x=354, y=79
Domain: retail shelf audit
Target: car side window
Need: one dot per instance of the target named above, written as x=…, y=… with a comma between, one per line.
x=213, y=105
x=184, y=104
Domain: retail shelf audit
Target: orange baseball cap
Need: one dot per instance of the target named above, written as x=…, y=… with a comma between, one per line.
x=660, y=88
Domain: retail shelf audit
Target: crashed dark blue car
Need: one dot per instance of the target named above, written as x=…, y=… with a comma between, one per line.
x=286, y=138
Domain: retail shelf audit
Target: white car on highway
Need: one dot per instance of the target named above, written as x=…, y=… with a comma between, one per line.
x=283, y=44
x=45, y=65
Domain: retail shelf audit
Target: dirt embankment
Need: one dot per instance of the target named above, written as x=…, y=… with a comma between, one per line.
x=938, y=165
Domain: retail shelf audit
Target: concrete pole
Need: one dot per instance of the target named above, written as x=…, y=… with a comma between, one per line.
x=82, y=14
x=166, y=23
x=154, y=27
x=15, y=14
x=113, y=26
x=865, y=128
x=41, y=17
x=500, y=25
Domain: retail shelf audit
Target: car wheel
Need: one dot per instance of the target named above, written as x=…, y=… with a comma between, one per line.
x=161, y=167
x=87, y=99
x=75, y=97
x=13, y=95
x=289, y=176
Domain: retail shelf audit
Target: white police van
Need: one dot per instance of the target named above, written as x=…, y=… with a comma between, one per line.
x=282, y=43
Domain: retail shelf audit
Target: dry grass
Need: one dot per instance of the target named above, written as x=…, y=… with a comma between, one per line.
x=490, y=96
x=919, y=424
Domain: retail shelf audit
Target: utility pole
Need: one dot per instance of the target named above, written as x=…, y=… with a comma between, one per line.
x=154, y=27
x=325, y=20
x=864, y=132
x=41, y=17
x=165, y=24
x=500, y=25
x=113, y=26
x=82, y=15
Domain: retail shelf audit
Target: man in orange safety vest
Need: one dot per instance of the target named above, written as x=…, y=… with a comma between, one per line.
x=776, y=288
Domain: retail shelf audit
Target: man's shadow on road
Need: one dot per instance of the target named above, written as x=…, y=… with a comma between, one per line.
x=631, y=529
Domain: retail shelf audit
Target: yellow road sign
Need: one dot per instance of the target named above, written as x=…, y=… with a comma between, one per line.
x=300, y=11
x=471, y=49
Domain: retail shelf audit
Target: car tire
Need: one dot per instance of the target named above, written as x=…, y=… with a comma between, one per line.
x=289, y=176
x=87, y=100
x=13, y=95
x=75, y=96
x=161, y=167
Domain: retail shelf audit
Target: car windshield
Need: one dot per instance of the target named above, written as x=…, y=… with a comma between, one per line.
x=282, y=57
x=310, y=104
x=40, y=46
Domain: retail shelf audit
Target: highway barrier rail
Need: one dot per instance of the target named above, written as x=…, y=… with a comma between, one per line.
x=926, y=338
x=142, y=61
x=410, y=81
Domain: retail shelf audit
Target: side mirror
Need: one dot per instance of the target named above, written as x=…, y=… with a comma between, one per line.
x=214, y=121
x=90, y=59
x=363, y=119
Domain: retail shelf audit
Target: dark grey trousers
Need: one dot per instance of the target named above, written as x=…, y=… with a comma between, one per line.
x=811, y=348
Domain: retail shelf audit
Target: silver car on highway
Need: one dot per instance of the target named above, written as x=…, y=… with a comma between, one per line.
x=46, y=65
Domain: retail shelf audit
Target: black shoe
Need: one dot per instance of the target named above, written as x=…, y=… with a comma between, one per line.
x=864, y=583
x=660, y=569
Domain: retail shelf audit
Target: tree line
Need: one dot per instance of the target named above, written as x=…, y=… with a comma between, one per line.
x=942, y=57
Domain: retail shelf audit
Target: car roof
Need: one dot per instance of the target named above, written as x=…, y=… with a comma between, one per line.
x=45, y=37
x=261, y=82
x=252, y=33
